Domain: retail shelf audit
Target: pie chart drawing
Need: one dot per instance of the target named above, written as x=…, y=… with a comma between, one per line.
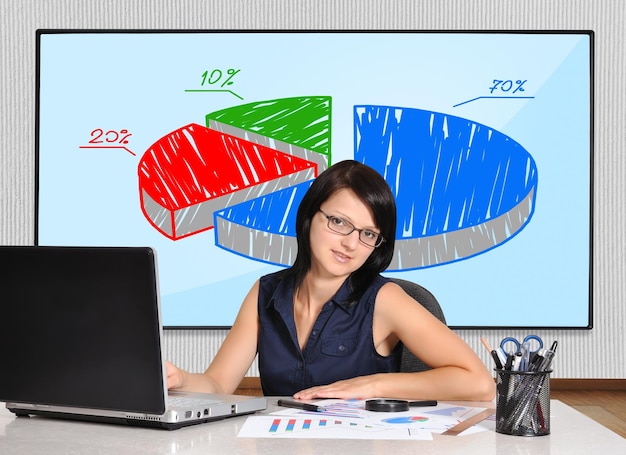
x=243, y=153
x=298, y=126
x=461, y=188
x=192, y=172
x=405, y=419
x=262, y=229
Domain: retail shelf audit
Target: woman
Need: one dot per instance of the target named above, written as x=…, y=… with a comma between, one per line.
x=331, y=326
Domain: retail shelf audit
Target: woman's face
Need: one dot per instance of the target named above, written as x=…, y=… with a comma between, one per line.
x=336, y=254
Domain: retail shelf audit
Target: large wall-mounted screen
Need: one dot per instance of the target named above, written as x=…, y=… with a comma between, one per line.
x=201, y=144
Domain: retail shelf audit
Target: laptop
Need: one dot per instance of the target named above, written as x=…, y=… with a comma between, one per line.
x=81, y=337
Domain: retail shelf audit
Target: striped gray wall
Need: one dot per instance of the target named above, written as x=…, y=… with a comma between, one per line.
x=583, y=354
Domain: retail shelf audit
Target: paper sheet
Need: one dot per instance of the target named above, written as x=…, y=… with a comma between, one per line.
x=348, y=419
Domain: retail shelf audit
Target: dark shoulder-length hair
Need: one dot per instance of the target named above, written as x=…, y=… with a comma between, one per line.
x=370, y=187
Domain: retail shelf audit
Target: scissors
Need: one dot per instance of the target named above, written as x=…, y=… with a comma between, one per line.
x=523, y=352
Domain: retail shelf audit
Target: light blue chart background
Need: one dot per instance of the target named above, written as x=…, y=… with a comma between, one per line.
x=137, y=82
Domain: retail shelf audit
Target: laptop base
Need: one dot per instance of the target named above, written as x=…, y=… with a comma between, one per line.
x=144, y=421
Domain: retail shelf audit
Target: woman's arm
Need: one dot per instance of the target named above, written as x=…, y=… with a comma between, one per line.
x=457, y=374
x=232, y=360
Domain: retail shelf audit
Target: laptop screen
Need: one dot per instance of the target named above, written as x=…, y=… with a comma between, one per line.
x=81, y=327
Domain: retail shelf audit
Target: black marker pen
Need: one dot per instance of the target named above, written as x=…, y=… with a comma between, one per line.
x=301, y=405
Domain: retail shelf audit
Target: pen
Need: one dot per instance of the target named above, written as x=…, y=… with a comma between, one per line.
x=493, y=352
x=517, y=361
x=416, y=404
x=300, y=405
x=509, y=362
x=547, y=359
x=535, y=364
x=525, y=356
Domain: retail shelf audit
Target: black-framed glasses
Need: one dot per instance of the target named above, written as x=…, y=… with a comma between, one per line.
x=344, y=227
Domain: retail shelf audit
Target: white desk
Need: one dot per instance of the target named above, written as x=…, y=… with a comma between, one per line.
x=571, y=433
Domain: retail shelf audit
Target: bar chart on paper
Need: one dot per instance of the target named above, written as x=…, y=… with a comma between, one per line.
x=292, y=425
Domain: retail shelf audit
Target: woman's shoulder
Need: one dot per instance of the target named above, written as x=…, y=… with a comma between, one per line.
x=275, y=285
x=392, y=299
x=373, y=289
x=272, y=279
x=379, y=281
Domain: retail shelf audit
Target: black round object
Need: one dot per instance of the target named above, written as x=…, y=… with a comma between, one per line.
x=383, y=405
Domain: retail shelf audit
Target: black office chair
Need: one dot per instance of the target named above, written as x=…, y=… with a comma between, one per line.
x=409, y=363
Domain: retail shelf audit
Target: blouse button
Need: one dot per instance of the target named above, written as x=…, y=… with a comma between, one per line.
x=314, y=332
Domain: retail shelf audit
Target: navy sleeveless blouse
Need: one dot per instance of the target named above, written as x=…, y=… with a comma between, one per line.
x=340, y=346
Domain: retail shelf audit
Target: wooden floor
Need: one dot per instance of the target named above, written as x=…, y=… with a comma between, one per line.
x=604, y=406
x=603, y=400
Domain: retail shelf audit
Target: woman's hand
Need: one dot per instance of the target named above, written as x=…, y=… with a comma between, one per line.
x=175, y=376
x=360, y=387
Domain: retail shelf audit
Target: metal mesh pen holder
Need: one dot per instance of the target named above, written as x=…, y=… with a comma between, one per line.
x=523, y=402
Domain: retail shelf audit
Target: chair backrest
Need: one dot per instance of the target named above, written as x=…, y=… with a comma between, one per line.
x=409, y=362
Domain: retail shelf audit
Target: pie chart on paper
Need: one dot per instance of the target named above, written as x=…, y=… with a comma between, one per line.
x=406, y=419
